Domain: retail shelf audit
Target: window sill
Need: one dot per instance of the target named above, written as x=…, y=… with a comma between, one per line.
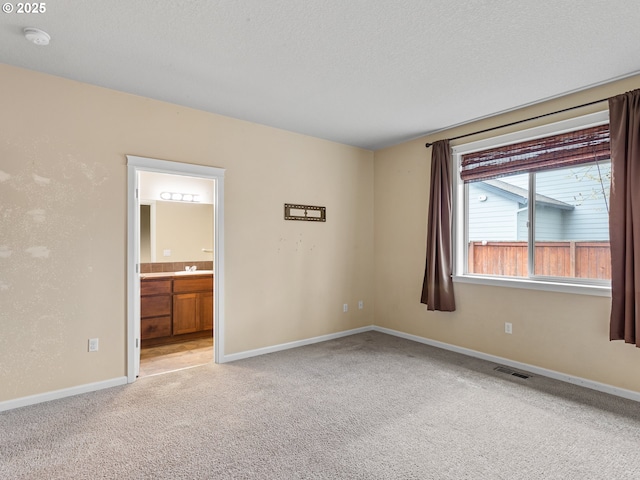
x=594, y=290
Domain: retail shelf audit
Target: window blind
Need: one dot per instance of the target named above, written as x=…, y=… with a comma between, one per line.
x=563, y=150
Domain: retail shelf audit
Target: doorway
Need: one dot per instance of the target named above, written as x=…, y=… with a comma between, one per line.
x=176, y=271
x=175, y=268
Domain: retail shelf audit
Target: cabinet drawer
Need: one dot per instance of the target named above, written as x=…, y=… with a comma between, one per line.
x=154, y=287
x=155, y=305
x=155, y=327
x=185, y=285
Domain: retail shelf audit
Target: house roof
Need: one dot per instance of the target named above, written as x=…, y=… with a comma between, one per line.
x=369, y=74
x=521, y=195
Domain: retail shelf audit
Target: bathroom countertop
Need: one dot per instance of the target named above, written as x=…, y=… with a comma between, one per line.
x=176, y=274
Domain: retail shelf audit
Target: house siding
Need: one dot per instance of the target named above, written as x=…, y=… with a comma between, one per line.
x=502, y=217
x=494, y=218
x=578, y=186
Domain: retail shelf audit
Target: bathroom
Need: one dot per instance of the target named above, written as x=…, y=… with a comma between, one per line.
x=176, y=271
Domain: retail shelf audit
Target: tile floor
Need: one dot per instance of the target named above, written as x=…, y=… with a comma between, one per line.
x=167, y=358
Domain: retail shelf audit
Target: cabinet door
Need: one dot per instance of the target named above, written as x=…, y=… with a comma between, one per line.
x=185, y=309
x=205, y=312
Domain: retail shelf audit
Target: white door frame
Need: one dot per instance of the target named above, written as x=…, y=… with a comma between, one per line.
x=134, y=165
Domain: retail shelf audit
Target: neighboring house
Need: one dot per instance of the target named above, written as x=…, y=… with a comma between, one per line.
x=571, y=204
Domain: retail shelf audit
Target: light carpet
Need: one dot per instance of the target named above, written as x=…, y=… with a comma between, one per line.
x=368, y=406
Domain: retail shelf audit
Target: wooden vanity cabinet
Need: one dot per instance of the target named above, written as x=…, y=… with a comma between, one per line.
x=192, y=305
x=155, y=308
x=175, y=308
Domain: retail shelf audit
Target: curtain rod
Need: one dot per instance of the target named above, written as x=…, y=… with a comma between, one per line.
x=428, y=144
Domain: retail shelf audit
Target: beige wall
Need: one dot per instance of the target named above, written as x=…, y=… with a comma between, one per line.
x=63, y=236
x=185, y=229
x=562, y=332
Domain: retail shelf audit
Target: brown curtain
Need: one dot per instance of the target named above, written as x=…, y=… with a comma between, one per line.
x=624, y=216
x=437, y=289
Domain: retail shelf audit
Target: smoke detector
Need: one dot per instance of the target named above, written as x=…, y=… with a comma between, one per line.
x=37, y=36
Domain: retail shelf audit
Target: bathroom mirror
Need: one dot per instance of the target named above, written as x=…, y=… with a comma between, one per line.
x=176, y=218
x=175, y=231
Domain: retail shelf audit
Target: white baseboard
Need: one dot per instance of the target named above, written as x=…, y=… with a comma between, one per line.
x=583, y=382
x=90, y=387
x=286, y=346
x=57, y=394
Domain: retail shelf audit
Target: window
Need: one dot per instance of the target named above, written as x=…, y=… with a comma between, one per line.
x=532, y=207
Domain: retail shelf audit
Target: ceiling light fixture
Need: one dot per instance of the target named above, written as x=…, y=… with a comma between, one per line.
x=37, y=36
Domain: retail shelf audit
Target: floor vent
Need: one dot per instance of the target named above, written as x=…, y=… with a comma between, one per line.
x=511, y=372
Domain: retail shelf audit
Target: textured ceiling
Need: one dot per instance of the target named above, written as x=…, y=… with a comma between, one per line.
x=359, y=72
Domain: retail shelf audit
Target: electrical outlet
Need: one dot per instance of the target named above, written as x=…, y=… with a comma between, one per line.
x=345, y=308
x=508, y=328
x=360, y=305
x=93, y=344
x=166, y=253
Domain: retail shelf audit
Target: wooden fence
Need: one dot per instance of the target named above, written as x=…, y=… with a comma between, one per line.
x=556, y=259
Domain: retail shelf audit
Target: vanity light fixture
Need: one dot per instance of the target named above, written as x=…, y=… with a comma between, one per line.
x=180, y=197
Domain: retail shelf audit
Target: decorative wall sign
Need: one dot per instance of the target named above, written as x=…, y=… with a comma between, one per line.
x=308, y=213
